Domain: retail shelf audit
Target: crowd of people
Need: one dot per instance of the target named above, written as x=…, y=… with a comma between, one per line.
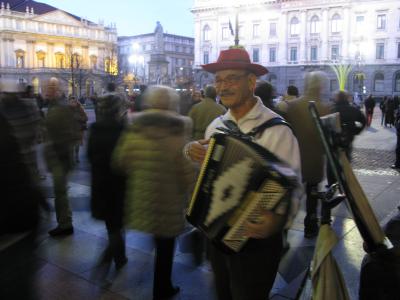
x=144, y=166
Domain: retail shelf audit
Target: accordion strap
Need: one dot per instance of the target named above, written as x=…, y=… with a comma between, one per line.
x=234, y=130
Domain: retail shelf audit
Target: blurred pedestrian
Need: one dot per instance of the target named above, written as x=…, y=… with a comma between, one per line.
x=396, y=164
x=150, y=154
x=203, y=113
x=369, y=104
x=389, y=112
x=311, y=149
x=382, y=108
x=22, y=113
x=59, y=154
x=108, y=186
x=80, y=123
x=19, y=219
x=266, y=92
x=123, y=103
x=292, y=93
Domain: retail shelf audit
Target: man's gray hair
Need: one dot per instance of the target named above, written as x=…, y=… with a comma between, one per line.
x=314, y=83
x=161, y=97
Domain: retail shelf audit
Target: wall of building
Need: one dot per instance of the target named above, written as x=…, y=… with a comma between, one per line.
x=306, y=35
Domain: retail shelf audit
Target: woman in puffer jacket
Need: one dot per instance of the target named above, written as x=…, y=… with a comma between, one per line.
x=159, y=178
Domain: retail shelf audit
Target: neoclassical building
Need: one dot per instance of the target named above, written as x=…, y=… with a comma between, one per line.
x=291, y=37
x=39, y=41
x=157, y=58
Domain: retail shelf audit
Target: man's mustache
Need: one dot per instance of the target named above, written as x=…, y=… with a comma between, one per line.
x=226, y=93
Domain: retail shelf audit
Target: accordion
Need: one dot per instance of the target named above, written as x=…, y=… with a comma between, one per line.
x=238, y=178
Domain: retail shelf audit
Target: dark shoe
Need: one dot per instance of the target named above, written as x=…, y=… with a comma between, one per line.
x=120, y=263
x=167, y=295
x=61, y=231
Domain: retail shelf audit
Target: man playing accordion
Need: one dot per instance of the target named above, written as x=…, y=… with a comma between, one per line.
x=250, y=273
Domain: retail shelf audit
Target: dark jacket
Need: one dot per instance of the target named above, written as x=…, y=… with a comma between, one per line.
x=19, y=196
x=352, y=120
x=108, y=187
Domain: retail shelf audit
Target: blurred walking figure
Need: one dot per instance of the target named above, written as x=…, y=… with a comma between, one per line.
x=108, y=186
x=311, y=149
x=80, y=123
x=203, y=113
x=389, y=111
x=158, y=177
x=22, y=113
x=292, y=93
x=396, y=164
x=19, y=219
x=369, y=104
x=266, y=92
x=382, y=108
x=60, y=126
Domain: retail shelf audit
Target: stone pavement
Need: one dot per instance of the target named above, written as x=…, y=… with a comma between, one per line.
x=67, y=265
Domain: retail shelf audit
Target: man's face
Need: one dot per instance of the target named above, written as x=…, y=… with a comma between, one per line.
x=234, y=87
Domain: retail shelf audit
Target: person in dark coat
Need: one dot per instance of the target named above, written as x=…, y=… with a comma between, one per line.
x=389, y=112
x=19, y=219
x=266, y=92
x=382, y=108
x=369, y=109
x=396, y=164
x=108, y=187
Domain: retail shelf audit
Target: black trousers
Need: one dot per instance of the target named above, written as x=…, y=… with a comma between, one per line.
x=163, y=265
x=116, y=243
x=247, y=275
x=397, y=162
x=311, y=204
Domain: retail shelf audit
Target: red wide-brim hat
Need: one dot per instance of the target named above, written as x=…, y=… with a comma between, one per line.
x=237, y=59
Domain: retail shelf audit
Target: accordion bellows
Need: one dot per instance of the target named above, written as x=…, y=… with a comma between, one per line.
x=237, y=180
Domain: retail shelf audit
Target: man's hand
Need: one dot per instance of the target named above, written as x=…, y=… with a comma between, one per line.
x=197, y=150
x=269, y=224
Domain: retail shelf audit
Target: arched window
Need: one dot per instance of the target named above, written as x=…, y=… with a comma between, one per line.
x=358, y=82
x=41, y=58
x=294, y=26
x=397, y=82
x=379, y=82
x=206, y=33
x=314, y=25
x=20, y=58
x=60, y=60
x=336, y=23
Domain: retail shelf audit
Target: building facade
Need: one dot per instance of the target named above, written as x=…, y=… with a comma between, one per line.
x=38, y=41
x=157, y=58
x=291, y=37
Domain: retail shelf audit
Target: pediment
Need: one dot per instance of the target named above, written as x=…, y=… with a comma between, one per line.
x=58, y=17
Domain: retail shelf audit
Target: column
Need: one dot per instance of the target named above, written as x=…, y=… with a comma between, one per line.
x=50, y=58
x=303, y=37
x=325, y=35
x=11, y=52
x=346, y=23
x=85, y=57
x=2, y=53
x=282, y=49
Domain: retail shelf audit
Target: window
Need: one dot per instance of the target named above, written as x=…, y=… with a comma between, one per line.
x=225, y=33
x=333, y=85
x=293, y=54
x=20, y=59
x=272, y=29
x=335, y=52
x=379, y=82
x=336, y=23
x=272, y=54
x=205, y=58
x=314, y=53
x=359, y=24
x=41, y=58
x=256, y=30
x=381, y=22
x=256, y=55
x=93, y=62
x=292, y=82
x=397, y=82
x=206, y=33
x=315, y=28
x=59, y=29
x=294, y=26
x=380, y=51
x=59, y=60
